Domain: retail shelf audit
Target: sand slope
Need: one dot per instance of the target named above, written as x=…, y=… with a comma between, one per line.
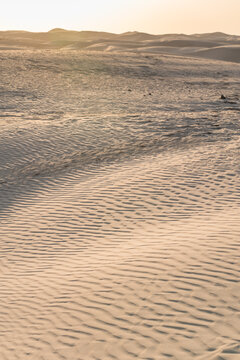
x=119, y=231
x=133, y=268
x=226, y=53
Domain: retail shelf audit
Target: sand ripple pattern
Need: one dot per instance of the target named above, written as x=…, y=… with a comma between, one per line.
x=137, y=261
x=131, y=255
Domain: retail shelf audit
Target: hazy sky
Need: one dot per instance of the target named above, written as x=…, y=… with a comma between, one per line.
x=152, y=16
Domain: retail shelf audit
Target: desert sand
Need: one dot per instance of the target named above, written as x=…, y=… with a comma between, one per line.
x=119, y=197
x=218, y=46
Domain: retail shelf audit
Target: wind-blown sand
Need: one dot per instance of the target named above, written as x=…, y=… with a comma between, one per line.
x=120, y=215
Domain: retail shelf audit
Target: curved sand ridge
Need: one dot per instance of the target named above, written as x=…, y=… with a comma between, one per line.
x=135, y=253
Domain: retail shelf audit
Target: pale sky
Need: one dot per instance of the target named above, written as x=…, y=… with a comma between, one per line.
x=152, y=16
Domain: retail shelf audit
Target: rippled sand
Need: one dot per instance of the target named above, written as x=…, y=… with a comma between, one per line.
x=120, y=194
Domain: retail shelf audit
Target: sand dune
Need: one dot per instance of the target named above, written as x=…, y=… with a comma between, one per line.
x=122, y=273
x=224, y=47
x=119, y=206
x=226, y=53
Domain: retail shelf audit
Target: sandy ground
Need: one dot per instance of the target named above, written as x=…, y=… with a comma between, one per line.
x=120, y=206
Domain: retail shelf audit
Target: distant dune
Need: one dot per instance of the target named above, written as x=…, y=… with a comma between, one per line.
x=216, y=45
x=227, y=53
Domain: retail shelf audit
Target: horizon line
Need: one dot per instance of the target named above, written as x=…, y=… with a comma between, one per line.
x=120, y=33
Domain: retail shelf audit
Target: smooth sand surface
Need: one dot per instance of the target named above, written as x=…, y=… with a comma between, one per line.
x=120, y=217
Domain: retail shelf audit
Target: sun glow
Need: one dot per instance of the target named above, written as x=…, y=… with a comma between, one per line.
x=153, y=16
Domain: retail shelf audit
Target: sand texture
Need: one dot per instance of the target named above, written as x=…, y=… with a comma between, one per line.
x=120, y=206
